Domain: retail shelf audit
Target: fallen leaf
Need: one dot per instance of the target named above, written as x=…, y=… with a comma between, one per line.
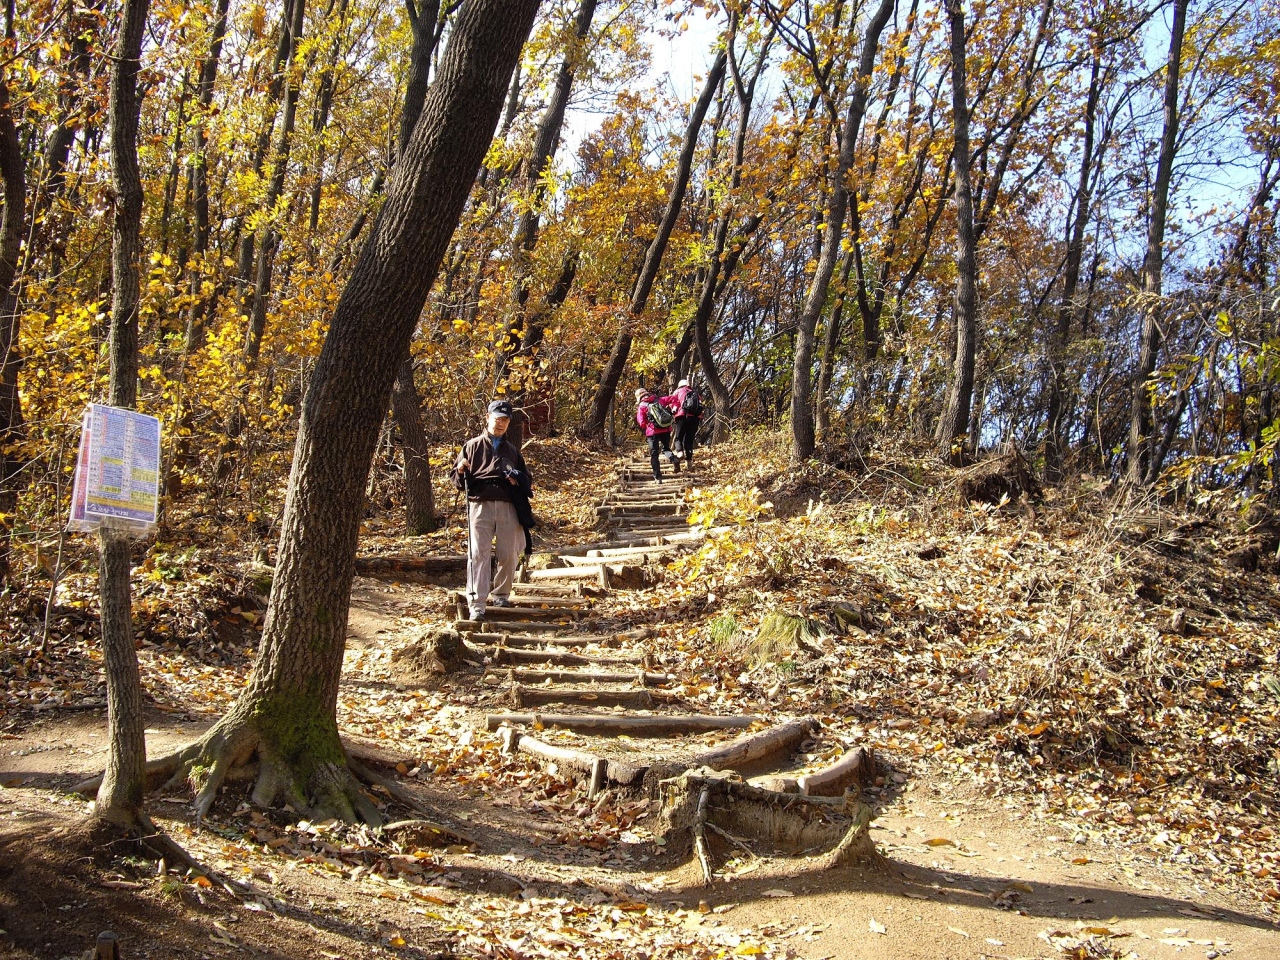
x=963, y=933
x=878, y=927
x=777, y=893
x=939, y=842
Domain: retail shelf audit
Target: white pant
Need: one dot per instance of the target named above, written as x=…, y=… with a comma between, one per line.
x=490, y=519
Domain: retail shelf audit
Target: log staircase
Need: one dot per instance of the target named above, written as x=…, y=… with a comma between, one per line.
x=623, y=725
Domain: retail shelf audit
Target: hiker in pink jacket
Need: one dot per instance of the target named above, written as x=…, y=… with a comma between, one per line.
x=656, y=415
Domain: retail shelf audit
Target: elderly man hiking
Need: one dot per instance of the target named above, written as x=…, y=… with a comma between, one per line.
x=493, y=473
x=654, y=415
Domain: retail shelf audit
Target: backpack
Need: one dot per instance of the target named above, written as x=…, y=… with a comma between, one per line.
x=691, y=406
x=659, y=415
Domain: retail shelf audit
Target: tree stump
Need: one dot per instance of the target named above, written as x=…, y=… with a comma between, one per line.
x=762, y=821
x=999, y=478
x=435, y=653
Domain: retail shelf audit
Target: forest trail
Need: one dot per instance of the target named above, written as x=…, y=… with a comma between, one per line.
x=966, y=874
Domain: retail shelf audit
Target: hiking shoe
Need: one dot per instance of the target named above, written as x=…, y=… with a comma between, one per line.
x=500, y=602
x=476, y=616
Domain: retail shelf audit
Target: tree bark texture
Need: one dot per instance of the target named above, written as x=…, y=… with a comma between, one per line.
x=119, y=797
x=802, y=426
x=11, y=229
x=1143, y=466
x=612, y=373
x=419, y=499
x=830, y=347
x=287, y=714
x=954, y=422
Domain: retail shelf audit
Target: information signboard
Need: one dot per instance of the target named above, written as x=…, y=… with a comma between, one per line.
x=117, y=471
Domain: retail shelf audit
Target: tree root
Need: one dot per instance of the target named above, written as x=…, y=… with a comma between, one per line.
x=318, y=790
x=702, y=801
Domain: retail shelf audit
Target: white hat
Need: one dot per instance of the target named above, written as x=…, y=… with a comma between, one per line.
x=641, y=393
x=682, y=383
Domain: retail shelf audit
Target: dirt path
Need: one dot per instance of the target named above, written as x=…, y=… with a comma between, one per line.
x=966, y=875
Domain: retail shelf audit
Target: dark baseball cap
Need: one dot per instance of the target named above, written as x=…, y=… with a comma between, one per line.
x=501, y=407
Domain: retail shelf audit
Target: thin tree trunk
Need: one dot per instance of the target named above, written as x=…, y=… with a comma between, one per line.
x=419, y=498
x=406, y=405
x=170, y=194
x=953, y=425
x=545, y=141
x=320, y=122
x=1057, y=419
x=200, y=176
x=120, y=795
x=802, y=425
x=612, y=373
x=830, y=346
x=1143, y=467
x=285, y=48
x=269, y=237
x=11, y=230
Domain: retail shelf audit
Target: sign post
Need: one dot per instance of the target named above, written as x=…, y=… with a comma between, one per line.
x=117, y=483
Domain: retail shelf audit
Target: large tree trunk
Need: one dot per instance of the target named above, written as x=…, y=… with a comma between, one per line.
x=11, y=229
x=1143, y=466
x=120, y=795
x=802, y=426
x=954, y=422
x=602, y=402
x=287, y=715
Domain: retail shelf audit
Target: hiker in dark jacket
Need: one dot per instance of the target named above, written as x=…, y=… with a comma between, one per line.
x=494, y=475
x=654, y=415
x=688, y=415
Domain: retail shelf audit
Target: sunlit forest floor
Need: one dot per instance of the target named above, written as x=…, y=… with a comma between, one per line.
x=1073, y=703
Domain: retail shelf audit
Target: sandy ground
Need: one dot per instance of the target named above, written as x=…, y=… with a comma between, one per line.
x=966, y=875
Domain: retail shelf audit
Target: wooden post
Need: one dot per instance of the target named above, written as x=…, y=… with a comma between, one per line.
x=108, y=947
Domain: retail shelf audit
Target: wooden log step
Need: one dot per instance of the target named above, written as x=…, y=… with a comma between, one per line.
x=520, y=612
x=655, y=509
x=575, y=561
x=511, y=656
x=596, y=770
x=536, y=640
x=534, y=675
x=521, y=599
x=549, y=589
x=854, y=769
x=780, y=740
x=685, y=537
x=566, y=573
x=641, y=499
x=640, y=699
x=515, y=626
x=628, y=552
x=381, y=566
x=612, y=725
